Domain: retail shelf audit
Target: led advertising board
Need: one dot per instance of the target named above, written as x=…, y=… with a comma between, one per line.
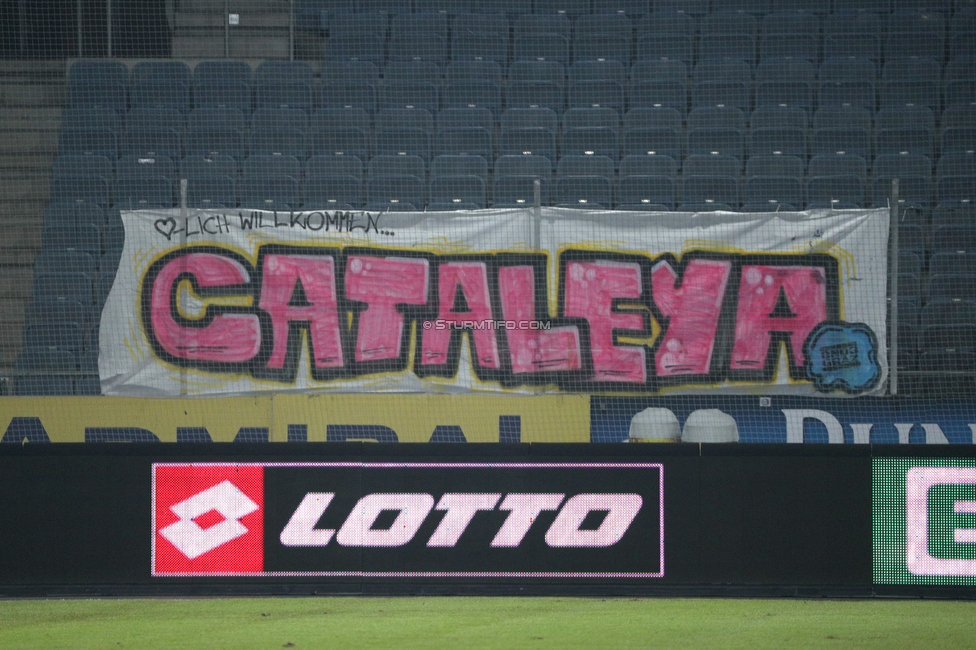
x=924, y=521
x=409, y=519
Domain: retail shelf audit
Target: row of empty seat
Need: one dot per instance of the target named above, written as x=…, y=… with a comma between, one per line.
x=844, y=81
x=723, y=33
x=404, y=182
x=311, y=11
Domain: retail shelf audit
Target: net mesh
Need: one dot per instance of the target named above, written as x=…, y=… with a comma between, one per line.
x=678, y=106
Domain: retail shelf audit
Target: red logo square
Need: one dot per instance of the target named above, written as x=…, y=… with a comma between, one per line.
x=208, y=519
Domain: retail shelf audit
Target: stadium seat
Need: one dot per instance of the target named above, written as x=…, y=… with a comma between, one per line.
x=716, y=140
x=711, y=165
x=475, y=141
x=773, y=192
x=216, y=132
x=76, y=164
x=459, y=118
x=409, y=118
x=853, y=34
x=152, y=141
x=667, y=35
x=95, y=86
x=911, y=81
x=655, y=84
x=89, y=142
x=848, y=82
x=81, y=189
x=268, y=192
x=480, y=38
x=603, y=37
x=785, y=82
x=211, y=191
x=710, y=190
x=833, y=189
x=472, y=93
x=842, y=140
x=790, y=34
x=449, y=165
x=652, y=141
x=333, y=192
x=386, y=165
x=646, y=193
x=349, y=94
x=527, y=142
x=598, y=70
x=459, y=189
x=768, y=117
x=536, y=84
x=141, y=193
x=396, y=191
x=161, y=84
x=787, y=141
x=722, y=83
x=729, y=34
x=222, y=84
x=959, y=84
x=590, y=141
x=915, y=33
x=597, y=94
x=357, y=37
x=403, y=142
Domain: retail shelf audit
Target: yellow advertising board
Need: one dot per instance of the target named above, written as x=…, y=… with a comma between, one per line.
x=297, y=418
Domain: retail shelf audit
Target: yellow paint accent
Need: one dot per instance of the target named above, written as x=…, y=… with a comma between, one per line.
x=551, y=418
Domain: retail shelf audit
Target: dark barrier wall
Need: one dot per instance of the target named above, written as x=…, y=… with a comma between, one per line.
x=373, y=518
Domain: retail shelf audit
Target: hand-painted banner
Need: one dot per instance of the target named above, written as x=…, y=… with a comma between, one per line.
x=497, y=300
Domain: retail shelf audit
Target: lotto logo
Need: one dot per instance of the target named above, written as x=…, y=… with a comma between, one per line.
x=208, y=519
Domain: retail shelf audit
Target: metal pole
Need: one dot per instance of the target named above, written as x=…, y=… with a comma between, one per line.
x=536, y=213
x=183, y=217
x=226, y=29
x=895, y=247
x=108, y=24
x=78, y=7
x=291, y=31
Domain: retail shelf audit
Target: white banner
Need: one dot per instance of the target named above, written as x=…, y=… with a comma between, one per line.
x=242, y=302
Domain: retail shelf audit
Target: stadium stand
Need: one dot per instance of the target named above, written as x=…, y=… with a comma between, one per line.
x=749, y=105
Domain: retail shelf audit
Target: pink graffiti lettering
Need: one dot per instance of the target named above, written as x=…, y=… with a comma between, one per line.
x=309, y=281
x=787, y=299
x=228, y=337
x=553, y=350
x=384, y=283
x=467, y=280
x=591, y=290
x=693, y=311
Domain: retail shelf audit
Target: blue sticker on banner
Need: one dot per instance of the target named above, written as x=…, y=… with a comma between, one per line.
x=842, y=356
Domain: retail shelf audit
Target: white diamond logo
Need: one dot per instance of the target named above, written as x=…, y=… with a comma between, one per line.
x=224, y=498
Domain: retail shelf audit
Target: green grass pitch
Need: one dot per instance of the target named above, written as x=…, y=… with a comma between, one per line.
x=471, y=623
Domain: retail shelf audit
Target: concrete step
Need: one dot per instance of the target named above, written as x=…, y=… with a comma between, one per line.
x=18, y=142
x=41, y=161
x=246, y=19
x=24, y=70
x=15, y=282
x=258, y=47
x=18, y=257
x=22, y=222
x=12, y=310
x=30, y=117
x=48, y=94
x=235, y=6
x=25, y=189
